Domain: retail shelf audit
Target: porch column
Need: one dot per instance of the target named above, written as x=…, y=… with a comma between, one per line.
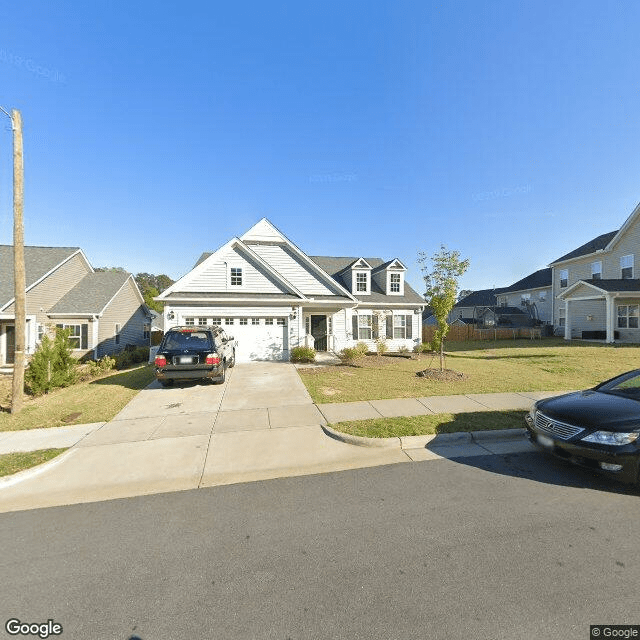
x=567, y=321
x=610, y=311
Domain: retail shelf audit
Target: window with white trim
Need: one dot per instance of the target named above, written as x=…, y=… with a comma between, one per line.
x=268, y=320
x=116, y=332
x=596, y=270
x=626, y=267
x=235, y=276
x=399, y=327
x=189, y=322
x=525, y=298
x=255, y=321
x=41, y=331
x=362, y=281
x=216, y=321
x=628, y=316
x=202, y=322
x=394, y=282
x=365, y=327
x=542, y=296
x=564, y=278
x=77, y=335
x=244, y=321
x=330, y=325
x=562, y=316
x=280, y=322
x=228, y=320
x=146, y=330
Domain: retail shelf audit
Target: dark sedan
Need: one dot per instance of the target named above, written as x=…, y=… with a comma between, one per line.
x=598, y=428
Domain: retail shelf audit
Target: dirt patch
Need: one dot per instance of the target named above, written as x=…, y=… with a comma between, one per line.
x=72, y=417
x=328, y=391
x=446, y=375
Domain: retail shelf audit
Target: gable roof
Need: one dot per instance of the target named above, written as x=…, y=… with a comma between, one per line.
x=480, y=298
x=335, y=266
x=597, y=244
x=92, y=294
x=38, y=263
x=536, y=280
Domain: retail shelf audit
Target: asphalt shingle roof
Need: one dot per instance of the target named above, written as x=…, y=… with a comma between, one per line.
x=92, y=294
x=481, y=298
x=541, y=278
x=589, y=247
x=616, y=284
x=38, y=261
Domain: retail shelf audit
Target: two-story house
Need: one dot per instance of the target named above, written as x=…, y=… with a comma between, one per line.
x=103, y=310
x=596, y=287
x=531, y=294
x=271, y=296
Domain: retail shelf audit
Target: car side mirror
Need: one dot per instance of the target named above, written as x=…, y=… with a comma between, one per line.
x=229, y=338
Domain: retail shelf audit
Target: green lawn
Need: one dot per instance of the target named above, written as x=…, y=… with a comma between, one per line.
x=14, y=462
x=432, y=424
x=95, y=401
x=489, y=367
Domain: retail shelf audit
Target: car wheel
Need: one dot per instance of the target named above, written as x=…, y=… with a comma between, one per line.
x=166, y=383
x=222, y=378
x=233, y=360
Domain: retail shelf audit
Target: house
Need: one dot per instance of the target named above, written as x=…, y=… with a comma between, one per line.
x=104, y=311
x=596, y=288
x=271, y=296
x=472, y=305
x=532, y=294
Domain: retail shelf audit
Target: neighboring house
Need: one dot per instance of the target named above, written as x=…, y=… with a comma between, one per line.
x=596, y=287
x=533, y=295
x=104, y=311
x=271, y=296
x=472, y=305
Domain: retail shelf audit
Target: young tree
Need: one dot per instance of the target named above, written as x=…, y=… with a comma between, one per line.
x=441, y=272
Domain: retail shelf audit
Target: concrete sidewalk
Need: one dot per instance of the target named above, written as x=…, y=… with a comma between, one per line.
x=261, y=424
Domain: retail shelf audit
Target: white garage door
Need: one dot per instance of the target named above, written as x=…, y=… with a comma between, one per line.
x=266, y=340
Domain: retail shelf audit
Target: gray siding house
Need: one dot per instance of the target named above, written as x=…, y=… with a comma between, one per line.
x=532, y=294
x=271, y=296
x=596, y=287
x=104, y=310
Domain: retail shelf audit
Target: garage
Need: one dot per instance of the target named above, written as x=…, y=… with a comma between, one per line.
x=259, y=338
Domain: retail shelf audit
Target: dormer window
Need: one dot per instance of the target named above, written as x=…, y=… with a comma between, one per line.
x=394, y=285
x=362, y=281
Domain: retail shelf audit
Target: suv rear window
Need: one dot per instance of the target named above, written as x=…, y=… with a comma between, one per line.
x=187, y=340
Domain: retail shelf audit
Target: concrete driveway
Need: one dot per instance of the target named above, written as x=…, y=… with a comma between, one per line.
x=260, y=424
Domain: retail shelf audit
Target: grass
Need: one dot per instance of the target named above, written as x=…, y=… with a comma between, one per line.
x=433, y=424
x=14, y=462
x=489, y=367
x=95, y=401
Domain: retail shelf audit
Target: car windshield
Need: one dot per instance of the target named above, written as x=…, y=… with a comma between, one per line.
x=626, y=385
x=187, y=340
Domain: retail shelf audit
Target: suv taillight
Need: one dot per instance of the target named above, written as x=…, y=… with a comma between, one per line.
x=161, y=361
x=212, y=358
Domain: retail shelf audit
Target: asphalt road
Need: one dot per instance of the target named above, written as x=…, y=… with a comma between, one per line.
x=497, y=547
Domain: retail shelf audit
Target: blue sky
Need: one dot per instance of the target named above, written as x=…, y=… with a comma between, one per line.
x=155, y=131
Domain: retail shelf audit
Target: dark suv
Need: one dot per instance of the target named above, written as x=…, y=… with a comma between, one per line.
x=194, y=352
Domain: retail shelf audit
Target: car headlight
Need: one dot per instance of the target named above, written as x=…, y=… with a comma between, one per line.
x=530, y=418
x=611, y=437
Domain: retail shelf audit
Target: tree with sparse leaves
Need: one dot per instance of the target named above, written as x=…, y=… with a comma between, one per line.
x=441, y=272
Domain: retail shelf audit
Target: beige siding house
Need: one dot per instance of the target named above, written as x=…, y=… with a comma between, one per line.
x=596, y=287
x=104, y=311
x=531, y=294
x=271, y=296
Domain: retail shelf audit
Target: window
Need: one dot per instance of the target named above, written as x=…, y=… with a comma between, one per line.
x=216, y=321
x=236, y=277
x=202, y=322
x=41, y=332
x=307, y=326
x=330, y=325
x=399, y=326
x=626, y=267
x=268, y=320
x=116, y=333
x=190, y=321
x=525, y=298
x=228, y=320
x=78, y=335
x=542, y=296
x=564, y=278
x=244, y=321
x=596, y=270
x=255, y=321
x=627, y=316
x=361, y=281
x=146, y=331
x=280, y=321
x=562, y=314
x=395, y=282
x=365, y=326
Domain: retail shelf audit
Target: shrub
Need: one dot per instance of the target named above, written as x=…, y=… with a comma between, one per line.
x=303, y=354
x=131, y=355
x=362, y=348
x=123, y=359
x=98, y=367
x=349, y=355
x=381, y=346
x=424, y=347
x=403, y=349
x=52, y=365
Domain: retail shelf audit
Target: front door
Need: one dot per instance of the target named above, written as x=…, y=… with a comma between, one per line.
x=319, y=332
x=10, y=338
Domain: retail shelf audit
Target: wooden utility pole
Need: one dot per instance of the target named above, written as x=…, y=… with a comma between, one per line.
x=18, y=263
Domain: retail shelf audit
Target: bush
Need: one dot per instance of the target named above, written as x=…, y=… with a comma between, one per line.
x=362, y=348
x=424, y=347
x=52, y=365
x=403, y=349
x=131, y=355
x=303, y=354
x=350, y=355
x=381, y=346
x=98, y=367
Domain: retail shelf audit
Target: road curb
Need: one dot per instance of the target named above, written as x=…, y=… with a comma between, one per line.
x=420, y=442
x=8, y=481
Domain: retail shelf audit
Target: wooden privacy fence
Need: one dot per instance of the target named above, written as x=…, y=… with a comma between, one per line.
x=460, y=334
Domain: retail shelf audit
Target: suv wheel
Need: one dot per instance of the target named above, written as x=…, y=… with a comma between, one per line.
x=222, y=378
x=233, y=360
